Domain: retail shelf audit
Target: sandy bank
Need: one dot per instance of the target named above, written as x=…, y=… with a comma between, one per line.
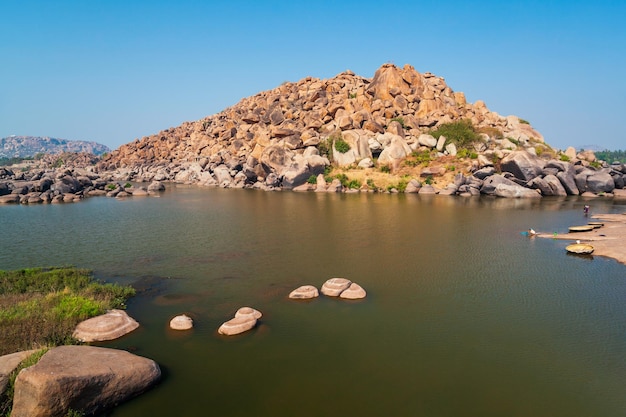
x=608, y=240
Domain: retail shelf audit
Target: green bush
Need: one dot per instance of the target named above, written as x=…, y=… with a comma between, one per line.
x=355, y=184
x=385, y=168
x=564, y=157
x=526, y=122
x=422, y=157
x=399, y=120
x=461, y=133
x=312, y=179
x=341, y=145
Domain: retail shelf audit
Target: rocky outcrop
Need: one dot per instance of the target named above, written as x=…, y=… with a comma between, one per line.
x=81, y=378
x=66, y=185
x=286, y=138
x=282, y=137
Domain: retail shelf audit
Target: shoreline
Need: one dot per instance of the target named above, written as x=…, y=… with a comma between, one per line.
x=607, y=240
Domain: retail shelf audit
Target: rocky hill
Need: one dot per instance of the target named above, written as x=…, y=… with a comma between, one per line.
x=29, y=146
x=400, y=131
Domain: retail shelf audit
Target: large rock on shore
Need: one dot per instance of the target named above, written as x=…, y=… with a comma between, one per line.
x=82, y=378
x=9, y=363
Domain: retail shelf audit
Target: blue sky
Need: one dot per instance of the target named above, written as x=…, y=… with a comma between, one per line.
x=113, y=71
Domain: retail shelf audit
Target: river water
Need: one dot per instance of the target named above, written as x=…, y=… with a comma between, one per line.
x=464, y=316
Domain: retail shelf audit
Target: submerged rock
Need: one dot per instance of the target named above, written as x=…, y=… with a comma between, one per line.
x=353, y=292
x=335, y=286
x=304, y=292
x=182, y=322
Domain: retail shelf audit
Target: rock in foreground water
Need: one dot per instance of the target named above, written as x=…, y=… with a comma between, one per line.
x=109, y=326
x=304, y=292
x=182, y=322
x=335, y=286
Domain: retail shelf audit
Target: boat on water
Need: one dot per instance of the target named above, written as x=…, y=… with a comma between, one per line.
x=586, y=228
x=580, y=248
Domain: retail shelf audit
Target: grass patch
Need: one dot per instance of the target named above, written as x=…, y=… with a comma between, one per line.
x=341, y=145
x=42, y=306
x=461, y=133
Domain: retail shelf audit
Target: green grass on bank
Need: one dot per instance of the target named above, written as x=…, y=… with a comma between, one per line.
x=42, y=306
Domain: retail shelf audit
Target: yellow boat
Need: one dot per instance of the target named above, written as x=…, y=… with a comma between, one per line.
x=580, y=248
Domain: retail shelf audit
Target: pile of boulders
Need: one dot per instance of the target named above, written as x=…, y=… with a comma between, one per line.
x=39, y=186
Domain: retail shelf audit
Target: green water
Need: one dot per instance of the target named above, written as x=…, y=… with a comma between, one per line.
x=464, y=315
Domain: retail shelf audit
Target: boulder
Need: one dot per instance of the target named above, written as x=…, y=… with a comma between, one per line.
x=548, y=185
x=83, y=378
x=567, y=176
x=249, y=313
x=156, y=186
x=304, y=292
x=9, y=363
x=353, y=292
x=499, y=186
x=523, y=165
x=335, y=286
x=109, y=326
x=237, y=325
x=600, y=182
x=181, y=322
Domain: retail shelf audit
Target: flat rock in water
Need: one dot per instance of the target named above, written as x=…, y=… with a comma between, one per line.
x=335, y=286
x=83, y=378
x=109, y=326
x=304, y=292
x=353, y=292
x=237, y=325
x=248, y=312
x=182, y=322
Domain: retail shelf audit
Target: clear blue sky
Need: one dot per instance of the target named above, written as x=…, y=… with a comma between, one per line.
x=112, y=71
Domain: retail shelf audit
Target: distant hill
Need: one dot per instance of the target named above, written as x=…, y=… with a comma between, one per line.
x=28, y=146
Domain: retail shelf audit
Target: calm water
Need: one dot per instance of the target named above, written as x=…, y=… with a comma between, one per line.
x=464, y=315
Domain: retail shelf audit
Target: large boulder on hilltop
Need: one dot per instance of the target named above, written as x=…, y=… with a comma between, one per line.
x=523, y=165
x=388, y=82
x=82, y=378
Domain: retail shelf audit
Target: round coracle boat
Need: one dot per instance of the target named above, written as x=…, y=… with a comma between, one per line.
x=595, y=225
x=581, y=228
x=580, y=248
